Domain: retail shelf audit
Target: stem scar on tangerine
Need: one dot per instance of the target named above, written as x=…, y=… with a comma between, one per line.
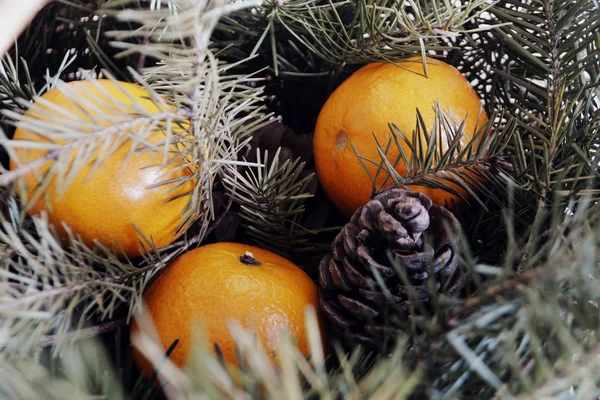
x=216, y=283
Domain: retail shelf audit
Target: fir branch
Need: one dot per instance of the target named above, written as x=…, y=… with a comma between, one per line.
x=443, y=157
x=86, y=333
x=298, y=377
x=508, y=286
x=560, y=95
x=223, y=108
x=48, y=289
x=342, y=32
x=553, y=81
x=84, y=371
x=13, y=86
x=89, y=142
x=53, y=288
x=271, y=201
x=581, y=374
x=509, y=339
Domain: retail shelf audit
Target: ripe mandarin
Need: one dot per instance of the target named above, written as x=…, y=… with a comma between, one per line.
x=216, y=283
x=104, y=203
x=364, y=105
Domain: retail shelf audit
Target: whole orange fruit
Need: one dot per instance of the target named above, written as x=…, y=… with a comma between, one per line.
x=105, y=202
x=216, y=283
x=364, y=104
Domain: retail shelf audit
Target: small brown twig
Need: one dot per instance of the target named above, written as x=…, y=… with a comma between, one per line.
x=492, y=291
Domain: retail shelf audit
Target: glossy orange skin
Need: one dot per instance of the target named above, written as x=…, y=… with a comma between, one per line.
x=370, y=99
x=105, y=204
x=209, y=286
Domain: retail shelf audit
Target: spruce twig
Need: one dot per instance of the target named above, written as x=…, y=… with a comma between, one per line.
x=271, y=199
x=556, y=144
x=532, y=334
x=67, y=283
x=344, y=32
x=456, y=158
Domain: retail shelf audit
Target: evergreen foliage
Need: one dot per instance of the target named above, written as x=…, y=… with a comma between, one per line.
x=527, y=324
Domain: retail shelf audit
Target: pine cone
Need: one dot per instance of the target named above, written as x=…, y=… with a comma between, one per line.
x=414, y=232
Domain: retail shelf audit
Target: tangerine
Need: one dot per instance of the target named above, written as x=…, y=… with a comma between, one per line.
x=365, y=103
x=105, y=201
x=216, y=283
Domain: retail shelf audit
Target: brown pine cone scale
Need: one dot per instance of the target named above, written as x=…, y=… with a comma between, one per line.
x=361, y=287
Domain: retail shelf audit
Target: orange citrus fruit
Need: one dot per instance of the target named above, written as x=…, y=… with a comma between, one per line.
x=366, y=103
x=106, y=201
x=217, y=283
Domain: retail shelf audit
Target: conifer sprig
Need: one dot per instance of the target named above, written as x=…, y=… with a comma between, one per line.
x=54, y=288
x=522, y=331
x=340, y=33
x=531, y=328
x=223, y=108
x=445, y=157
x=271, y=198
x=12, y=87
x=553, y=80
x=50, y=289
